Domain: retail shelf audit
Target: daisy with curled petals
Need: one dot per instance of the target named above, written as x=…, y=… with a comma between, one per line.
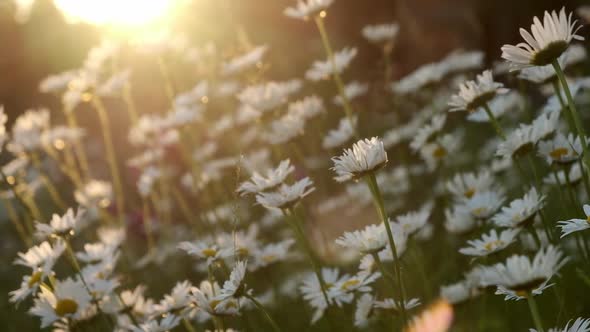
x=436, y=318
x=344, y=133
x=321, y=70
x=483, y=205
x=465, y=185
x=167, y=323
x=371, y=239
x=490, y=243
x=519, y=277
x=475, y=94
x=206, y=297
x=68, y=301
x=575, y=225
x=521, y=212
x=61, y=226
x=40, y=259
x=307, y=8
x=549, y=39
x=234, y=286
x=561, y=150
x=286, y=196
x=579, y=325
x=259, y=183
x=365, y=157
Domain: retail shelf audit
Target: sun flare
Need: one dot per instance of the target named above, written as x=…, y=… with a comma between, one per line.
x=121, y=13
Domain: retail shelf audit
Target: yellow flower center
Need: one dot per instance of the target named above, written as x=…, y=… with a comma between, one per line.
x=493, y=245
x=35, y=279
x=350, y=283
x=479, y=211
x=65, y=307
x=243, y=252
x=469, y=193
x=522, y=293
x=209, y=252
x=588, y=219
x=559, y=153
x=439, y=152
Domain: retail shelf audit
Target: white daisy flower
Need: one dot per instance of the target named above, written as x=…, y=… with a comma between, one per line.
x=373, y=238
x=259, y=183
x=366, y=156
x=95, y=193
x=561, y=149
x=381, y=33
x=268, y=96
x=499, y=106
x=519, y=276
x=208, y=301
x=40, y=259
x=392, y=305
x=414, y=221
x=465, y=185
x=338, y=137
x=544, y=126
x=308, y=107
x=312, y=291
x=483, y=205
x=342, y=291
x=490, y=243
x=165, y=324
x=547, y=42
x=352, y=91
x=244, y=61
x=27, y=131
x=234, y=286
x=307, y=8
x=364, y=309
x=518, y=143
x=428, y=131
x=575, y=225
x=458, y=292
x=284, y=129
x=203, y=249
x=522, y=211
x=441, y=150
x=68, y=300
x=574, y=174
x=579, y=325
x=271, y=253
x=61, y=226
x=459, y=220
x=286, y=196
x=321, y=70
x=475, y=94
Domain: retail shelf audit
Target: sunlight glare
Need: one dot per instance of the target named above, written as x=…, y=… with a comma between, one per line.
x=121, y=13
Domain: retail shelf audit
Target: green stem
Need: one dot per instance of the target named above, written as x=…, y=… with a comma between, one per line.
x=573, y=110
x=268, y=317
x=335, y=75
x=378, y=199
x=535, y=313
x=53, y=193
x=568, y=115
x=187, y=325
x=494, y=121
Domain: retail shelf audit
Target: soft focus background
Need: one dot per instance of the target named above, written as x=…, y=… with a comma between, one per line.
x=48, y=44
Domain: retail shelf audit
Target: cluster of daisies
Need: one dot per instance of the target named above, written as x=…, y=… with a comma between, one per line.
x=234, y=184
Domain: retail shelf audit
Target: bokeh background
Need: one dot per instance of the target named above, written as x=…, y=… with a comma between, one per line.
x=48, y=44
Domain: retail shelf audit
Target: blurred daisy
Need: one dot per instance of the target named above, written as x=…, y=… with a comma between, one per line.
x=366, y=156
x=519, y=277
x=321, y=70
x=234, y=286
x=414, y=221
x=521, y=212
x=458, y=292
x=393, y=306
x=271, y=253
x=560, y=149
x=311, y=290
x=286, y=196
x=352, y=91
x=207, y=300
x=548, y=41
x=40, y=259
x=27, y=131
x=364, y=309
x=61, y=226
x=441, y=150
x=465, y=185
x=499, y=106
x=95, y=193
x=381, y=33
x=544, y=126
x=307, y=107
x=307, y=8
x=203, y=249
x=68, y=300
x=259, y=183
x=490, y=243
x=285, y=129
x=574, y=175
x=575, y=225
x=483, y=205
x=475, y=94
x=428, y=131
x=459, y=220
x=371, y=239
x=268, y=96
x=167, y=323
x=244, y=61
x=579, y=325
x=344, y=133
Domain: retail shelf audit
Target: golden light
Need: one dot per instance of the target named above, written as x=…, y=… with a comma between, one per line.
x=117, y=13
